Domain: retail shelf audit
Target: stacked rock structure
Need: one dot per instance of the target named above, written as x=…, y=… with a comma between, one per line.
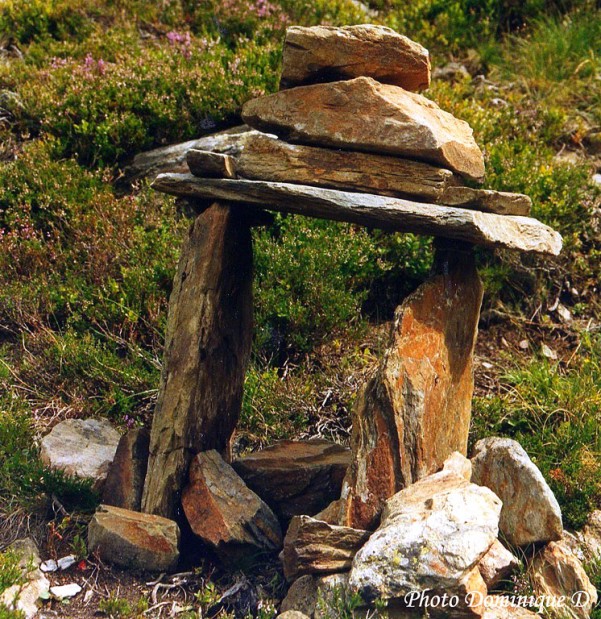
x=348, y=137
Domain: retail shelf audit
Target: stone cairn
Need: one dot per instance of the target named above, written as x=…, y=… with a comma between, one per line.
x=402, y=513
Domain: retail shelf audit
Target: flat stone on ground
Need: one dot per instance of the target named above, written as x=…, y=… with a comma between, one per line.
x=134, y=540
x=224, y=512
x=362, y=114
x=531, y=512
x=81, y=447
x=296, y=477
x=327, y=54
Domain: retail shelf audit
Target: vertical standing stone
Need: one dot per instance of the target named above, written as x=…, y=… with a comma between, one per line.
x=207, y=348
x=416, y=410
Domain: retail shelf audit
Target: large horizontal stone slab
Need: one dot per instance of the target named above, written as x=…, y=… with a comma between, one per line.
x=362, y=114
x=511, y=232
x=327, y=54
x=267, y=158
x=134, y=540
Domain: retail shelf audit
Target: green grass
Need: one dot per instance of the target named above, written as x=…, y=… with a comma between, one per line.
x=555, y=414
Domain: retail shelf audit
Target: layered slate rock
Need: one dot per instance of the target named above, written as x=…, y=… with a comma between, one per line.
x=364, y=115
x=296, y=477
x=207, y=348
x=125, y=482
x=327, y=54
x=393, y=214
x=557, y=573
x=134, y=540
x=224, y=512
x=432, y=536
x=497, y=564
x=270, y=159
x=531, y=512
x=81, y=447
x=315, y=547
x=172, y=158
x=415, y=412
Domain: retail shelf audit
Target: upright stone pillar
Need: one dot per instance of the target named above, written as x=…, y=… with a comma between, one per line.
x=207, y=349
x=415, y=411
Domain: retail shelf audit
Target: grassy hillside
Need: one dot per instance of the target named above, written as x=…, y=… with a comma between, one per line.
x=85, y=270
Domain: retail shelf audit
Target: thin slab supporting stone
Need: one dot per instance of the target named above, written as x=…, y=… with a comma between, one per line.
x=394, y=214
x=415, y=412
x=207, y=349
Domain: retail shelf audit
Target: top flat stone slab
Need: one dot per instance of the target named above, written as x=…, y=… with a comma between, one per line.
x=362, y=114
x=328, y=54
x=395, y=214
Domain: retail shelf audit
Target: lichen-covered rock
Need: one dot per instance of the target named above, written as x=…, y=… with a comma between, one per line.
x=326, y=53
x=530, y=512
x=296, y=477
x=556, y=572
x=134, y=540
x=362, y=114
x=433, y=535
x=125, y=481
x=224, y=512
x=314, y=547
x=81, y=447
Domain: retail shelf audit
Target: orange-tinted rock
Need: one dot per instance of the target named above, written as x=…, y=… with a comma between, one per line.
x=362, y=114
x=134, y=540
x=328, y=54
x=296, y=477
x=415, y=411
x=223, y=512
x=497, y=564
x=125, y=482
